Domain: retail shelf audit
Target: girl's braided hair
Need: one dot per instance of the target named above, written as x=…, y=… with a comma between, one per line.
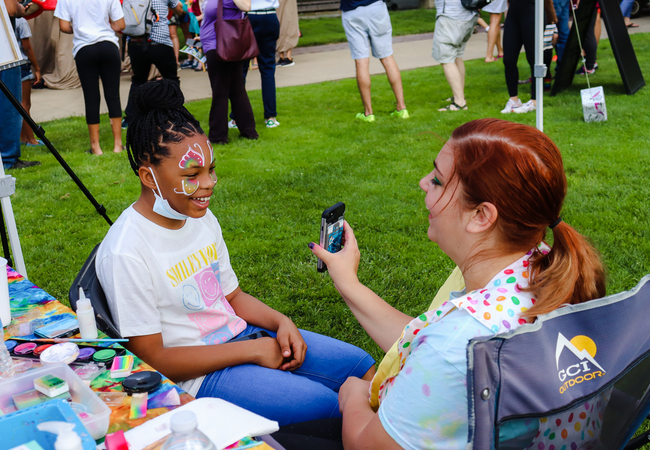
x=161, y=119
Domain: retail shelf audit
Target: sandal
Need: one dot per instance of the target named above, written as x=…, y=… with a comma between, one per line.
x=453, y=106
x=450, y=99
x=633, y=25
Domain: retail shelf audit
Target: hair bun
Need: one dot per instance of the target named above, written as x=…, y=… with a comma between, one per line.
x=159, y=94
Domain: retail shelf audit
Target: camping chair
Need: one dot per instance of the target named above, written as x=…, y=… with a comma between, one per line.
x=578, y=374
x=87, y=279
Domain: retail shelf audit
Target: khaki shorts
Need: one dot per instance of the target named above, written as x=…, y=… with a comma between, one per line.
x=368, y=28
x=450, y=37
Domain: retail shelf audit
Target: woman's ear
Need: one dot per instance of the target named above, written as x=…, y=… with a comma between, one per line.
x=483, y=217
x=146, y=178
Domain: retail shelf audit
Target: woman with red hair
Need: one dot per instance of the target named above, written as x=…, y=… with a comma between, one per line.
x=495, y=190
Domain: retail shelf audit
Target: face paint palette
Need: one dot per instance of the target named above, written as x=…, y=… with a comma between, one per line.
x=24, y=348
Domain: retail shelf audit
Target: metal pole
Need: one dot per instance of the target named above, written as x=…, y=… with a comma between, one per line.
x=540, y=68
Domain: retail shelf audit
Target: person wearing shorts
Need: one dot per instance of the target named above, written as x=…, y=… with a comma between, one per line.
x=454, y=27
x=367, y=27
x=495, y=8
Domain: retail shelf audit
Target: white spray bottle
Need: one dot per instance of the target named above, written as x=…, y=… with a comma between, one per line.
x=66, y=439
x=86, y=317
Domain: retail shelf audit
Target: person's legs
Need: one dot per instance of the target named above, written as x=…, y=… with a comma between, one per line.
x=493, y=34
x=140, y=65
x=363, y=82
x=26, y=133
x=162, y=56
x=220, y=84
x=267, y=30
x=395, y=80
x=88, y=60
x=456, y=78
x=591, y=45
x=109, y=72
x=242, y=110
x=626, y=9
x=10, y=118
x=562, y=11
x=512, y=42
x=527, y=32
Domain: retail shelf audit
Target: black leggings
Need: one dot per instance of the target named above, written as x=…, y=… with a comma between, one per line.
x=100, y=60
x=519, y=30
x=590, y=44
x=323, y=434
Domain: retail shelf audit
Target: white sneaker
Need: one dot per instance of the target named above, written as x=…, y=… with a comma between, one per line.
x=526, y=107
x=510, y=106
x=232, y=124
x=272, y=123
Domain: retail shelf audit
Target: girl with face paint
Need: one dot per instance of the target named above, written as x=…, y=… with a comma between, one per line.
x=172, y=291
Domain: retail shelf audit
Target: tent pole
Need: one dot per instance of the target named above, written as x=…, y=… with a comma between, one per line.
x=540, y=68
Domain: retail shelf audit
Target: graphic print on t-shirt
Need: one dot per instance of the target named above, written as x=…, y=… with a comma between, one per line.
x=198, y=282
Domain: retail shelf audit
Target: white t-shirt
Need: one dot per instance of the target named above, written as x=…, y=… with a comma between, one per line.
x=172, y=282
x=89, y=20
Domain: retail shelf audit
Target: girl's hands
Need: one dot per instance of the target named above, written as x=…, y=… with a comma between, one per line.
x=343, y=265
x=292, y=345
x=267, y=353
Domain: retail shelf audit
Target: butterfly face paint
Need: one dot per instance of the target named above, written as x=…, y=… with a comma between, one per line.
x=213, y=175
x=191, y=159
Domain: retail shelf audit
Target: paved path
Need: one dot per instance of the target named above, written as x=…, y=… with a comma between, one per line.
x=313, y=65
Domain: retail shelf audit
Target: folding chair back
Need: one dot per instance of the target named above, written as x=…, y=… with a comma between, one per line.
x=578, y=378
x=87, y=279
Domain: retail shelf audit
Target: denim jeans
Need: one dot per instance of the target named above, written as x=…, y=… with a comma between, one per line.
x=626, y=7
x=266, y=28
x=562, y=11
x=307, y=393
x=10, y=118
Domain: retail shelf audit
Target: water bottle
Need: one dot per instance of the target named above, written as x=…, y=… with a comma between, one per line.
x=6, y=363
x=185, y=435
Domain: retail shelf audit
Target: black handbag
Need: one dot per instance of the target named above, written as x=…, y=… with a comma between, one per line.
x=474, y=5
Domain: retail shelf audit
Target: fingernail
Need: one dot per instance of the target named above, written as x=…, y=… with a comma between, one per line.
x=310, y=245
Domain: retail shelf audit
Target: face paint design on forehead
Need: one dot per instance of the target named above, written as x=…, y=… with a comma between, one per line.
x=213, y=175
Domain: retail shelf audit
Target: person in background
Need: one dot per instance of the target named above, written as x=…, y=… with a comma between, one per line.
x=10, y=118
x=367, y=21
x=226, y=77
x=96, y=53
x=626, y=9
x=29, y=73
x=159, y=51
x=495, y=8
x=289, y=31
x=562, y=12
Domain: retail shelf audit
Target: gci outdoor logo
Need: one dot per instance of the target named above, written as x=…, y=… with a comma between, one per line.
x=583, y=365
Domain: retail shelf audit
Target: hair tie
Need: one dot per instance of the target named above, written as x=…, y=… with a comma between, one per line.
x=556, y=223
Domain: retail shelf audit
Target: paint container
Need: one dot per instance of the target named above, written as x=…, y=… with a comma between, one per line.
x=85, y=354
x=24, y=349
x=65, y=353
x=41, y=348
x=139, y=382
x=11, y=345
x=104, y=356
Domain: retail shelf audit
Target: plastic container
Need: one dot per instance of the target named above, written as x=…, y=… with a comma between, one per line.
x=5, y=309
x=86, y=317
x=96, y=420
x=21, y=427
x=185, y=435
x=6, y=363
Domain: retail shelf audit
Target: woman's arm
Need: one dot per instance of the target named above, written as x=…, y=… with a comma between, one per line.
x=29, y=51
x=362, y=428
x=118, y=25
x=383, y=323
x=65, y=26
x=244, y=5
x=255, y=312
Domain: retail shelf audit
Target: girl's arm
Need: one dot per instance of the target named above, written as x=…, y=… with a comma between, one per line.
x=383, y=323
x=29, y=51
x=118, y=25
x=65, y=26
x=255, y=312
x=362, y=428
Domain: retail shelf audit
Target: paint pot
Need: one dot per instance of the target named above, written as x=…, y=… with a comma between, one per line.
x=139, y=382
x=41, y=348
x=11, y=345
x=25, y=349
x=85, y=354
x=22, y=365
x=5, y=309
x=104, y=356
x=60, y=353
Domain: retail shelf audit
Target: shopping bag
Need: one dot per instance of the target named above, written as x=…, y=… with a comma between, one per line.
x=593, y=104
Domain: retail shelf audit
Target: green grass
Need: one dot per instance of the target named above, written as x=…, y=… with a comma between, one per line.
x=329, y=30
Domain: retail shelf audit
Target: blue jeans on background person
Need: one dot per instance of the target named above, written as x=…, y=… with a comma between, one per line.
x=562, y=11
x=626, y=7
x=266, y=28
x=10, y=118
x=307, y=393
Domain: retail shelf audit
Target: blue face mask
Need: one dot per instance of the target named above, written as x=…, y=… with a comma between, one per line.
x=162, y=207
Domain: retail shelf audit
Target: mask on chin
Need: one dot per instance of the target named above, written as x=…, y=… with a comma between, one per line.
x=162, y=207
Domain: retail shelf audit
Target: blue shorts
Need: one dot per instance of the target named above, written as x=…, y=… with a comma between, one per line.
x=308, y=393
x=26, y=72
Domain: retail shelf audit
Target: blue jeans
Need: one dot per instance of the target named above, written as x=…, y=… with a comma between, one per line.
x=308, y=393
x=10, y=118
x=626, y=7
x=266, y=28
x=562, y=11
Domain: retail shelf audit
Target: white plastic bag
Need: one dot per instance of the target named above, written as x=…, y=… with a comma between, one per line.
x=593, y=104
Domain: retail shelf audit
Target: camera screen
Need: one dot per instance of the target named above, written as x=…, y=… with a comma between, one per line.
x=334, y=236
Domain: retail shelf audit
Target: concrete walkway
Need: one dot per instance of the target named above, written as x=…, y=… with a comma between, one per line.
x=313, y=65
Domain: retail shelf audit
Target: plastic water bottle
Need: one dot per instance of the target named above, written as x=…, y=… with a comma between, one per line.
x=6, y=363
x=185, y=434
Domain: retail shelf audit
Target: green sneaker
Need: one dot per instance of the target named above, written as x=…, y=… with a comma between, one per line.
x=364, y=118
x=403, y=114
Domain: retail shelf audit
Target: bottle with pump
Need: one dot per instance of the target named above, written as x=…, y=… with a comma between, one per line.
x=185, y=434
x=67, y=438
x=6, y=363
x=86, y=317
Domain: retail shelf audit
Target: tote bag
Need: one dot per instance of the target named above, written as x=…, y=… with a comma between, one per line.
x=235, y=38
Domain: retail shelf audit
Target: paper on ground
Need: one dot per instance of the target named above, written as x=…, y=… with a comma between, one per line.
x=223, y=422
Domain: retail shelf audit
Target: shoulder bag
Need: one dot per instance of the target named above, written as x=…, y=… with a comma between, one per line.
x=235, y=38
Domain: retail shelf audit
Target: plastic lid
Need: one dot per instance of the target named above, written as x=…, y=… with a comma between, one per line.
x=183, y=422
x=83, y=303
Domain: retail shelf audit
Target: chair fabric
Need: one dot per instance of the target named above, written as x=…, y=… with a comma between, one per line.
x=87, y=279
x=578, y=377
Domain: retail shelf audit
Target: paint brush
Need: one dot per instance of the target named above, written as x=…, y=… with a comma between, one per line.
x=59, y=340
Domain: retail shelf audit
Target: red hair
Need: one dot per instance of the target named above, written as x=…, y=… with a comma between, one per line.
x=519, y=170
